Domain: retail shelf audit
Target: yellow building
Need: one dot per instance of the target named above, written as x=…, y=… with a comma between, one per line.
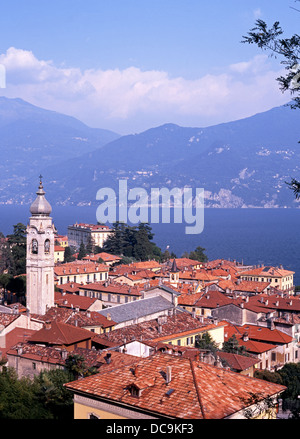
x=277, y=277
x=80, y=272
x=59, y=253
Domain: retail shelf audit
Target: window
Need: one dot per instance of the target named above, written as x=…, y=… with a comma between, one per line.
x=34, y=247
x=47, y=246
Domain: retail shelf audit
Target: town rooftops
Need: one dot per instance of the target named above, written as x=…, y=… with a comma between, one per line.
x=112, y=287
x=165, y=385
x=79, y=267
x=57, y=333
x=180, y=324
x=267, y=271
x=137, y=309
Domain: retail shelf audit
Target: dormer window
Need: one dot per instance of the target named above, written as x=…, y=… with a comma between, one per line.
x=134, y=391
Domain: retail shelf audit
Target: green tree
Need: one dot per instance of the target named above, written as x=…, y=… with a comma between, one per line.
x=198, y=254
x=206, y=342
x=68, y=255
x=232, y=346
x=82, y=251
x=17, y=245
x=271, y=39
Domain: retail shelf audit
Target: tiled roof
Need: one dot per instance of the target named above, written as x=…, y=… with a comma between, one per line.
x=68, y=300
x=210, y=299
x=79, y=267
x=6, y=318
x=83, y=319
x=267, y=272
x=106, y=257
x=178, y=325
x=137, y=309
x=60, y=334
x=238, y=362
x=195, y=390
x=113, y=287
x=103, y=361
x=257, y=333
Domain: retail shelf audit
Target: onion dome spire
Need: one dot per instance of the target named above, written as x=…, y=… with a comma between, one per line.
x=40, y=206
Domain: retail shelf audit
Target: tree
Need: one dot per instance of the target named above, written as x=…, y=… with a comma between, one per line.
x=82, y=251
x=270, y=39
x=132, y=242
x=198, y=254
x=68, y=255
x=17, y=245
x=232, y=346
x=206, y=342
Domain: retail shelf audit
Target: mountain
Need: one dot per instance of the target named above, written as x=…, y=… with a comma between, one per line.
x=32, y=138
x=244, y=163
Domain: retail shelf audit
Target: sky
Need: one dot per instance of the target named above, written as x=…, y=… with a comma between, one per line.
x=130, y=65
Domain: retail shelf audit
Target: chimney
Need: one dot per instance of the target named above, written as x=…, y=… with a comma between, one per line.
x=169, y=374
x=64, y=354
x=47, y=324
x=108, y=316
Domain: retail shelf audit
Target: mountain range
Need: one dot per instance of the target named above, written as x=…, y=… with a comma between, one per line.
x=244, y=163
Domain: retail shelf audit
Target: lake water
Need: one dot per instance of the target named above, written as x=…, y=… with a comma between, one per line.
x=254, y=236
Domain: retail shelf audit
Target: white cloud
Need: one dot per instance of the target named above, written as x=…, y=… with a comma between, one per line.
x=132, y=100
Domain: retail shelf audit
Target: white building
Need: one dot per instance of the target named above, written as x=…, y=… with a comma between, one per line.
x=96, y=234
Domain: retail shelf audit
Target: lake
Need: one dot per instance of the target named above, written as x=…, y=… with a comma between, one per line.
x=254, y=236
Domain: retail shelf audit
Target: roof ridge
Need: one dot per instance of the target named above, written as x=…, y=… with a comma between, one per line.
x=197, y=388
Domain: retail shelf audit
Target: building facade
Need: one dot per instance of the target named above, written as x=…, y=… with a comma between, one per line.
x=88, y=234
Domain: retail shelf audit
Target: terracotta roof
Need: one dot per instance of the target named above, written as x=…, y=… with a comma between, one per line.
x=103, y=361
x=179, y=325
x=238, y=362
x=113, y=287
x=68, y=300
x=257, y=333
x=251, y=286
x=267, y=271
x=209, y=299
x=6, y=318
x=195, y=390
x=106, y=257
x=79, y=267
x=83, y=319
x=60, y=334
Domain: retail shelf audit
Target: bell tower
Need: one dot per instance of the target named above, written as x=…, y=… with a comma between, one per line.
x=40, y=256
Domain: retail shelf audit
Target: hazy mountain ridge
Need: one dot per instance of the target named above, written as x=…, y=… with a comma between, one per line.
x=244, y=163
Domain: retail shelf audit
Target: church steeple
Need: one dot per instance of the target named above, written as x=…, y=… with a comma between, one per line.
x=40, y=256
x=40, y=206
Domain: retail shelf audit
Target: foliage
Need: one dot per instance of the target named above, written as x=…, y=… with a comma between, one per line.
x=76, y=367
x=132, y=242
x=198, y=254
x=68, y=255
x=44, y=397
x=257, y=405
x=271, y=40
x=232, y=346
x=82, y=251
x=206, y=342
x=289, y=376
x=17, y=248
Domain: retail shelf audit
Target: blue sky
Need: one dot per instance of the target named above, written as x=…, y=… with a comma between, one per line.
x=129, y=65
